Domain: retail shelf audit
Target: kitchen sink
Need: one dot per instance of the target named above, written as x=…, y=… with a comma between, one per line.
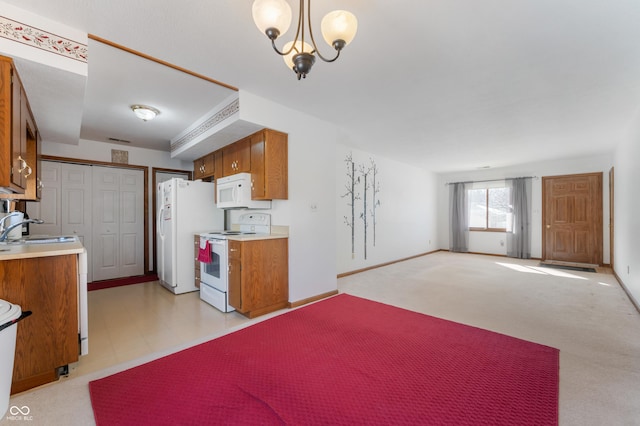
x=41, y=240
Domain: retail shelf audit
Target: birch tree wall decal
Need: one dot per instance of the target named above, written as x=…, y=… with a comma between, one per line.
x=352, y=180
x=375, y=200
x=364, y=173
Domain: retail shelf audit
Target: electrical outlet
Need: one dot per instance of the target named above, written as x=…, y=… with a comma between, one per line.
x=313, y=207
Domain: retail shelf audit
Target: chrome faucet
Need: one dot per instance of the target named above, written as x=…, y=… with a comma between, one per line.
x=5, y=231
x=2, y=219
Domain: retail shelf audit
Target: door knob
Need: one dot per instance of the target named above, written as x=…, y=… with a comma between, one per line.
x=548, y=226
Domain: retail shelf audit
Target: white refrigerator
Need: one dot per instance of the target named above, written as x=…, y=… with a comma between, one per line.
x=185, y=208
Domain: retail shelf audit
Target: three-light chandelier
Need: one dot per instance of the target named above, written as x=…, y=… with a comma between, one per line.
x=273, y=17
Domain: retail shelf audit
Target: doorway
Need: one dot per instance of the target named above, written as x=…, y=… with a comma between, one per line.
x=102, y=204
x=572, y=218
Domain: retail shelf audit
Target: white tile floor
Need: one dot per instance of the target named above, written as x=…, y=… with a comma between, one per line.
x=131, y=321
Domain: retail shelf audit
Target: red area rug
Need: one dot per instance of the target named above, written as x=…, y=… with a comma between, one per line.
x=344, y=360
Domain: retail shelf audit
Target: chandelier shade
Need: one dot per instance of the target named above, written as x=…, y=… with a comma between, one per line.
x=272, y=14
x=339, y=25
x=273, y=18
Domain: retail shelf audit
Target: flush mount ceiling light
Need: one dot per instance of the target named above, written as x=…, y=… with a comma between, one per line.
x=273, y=17
x=144, y=113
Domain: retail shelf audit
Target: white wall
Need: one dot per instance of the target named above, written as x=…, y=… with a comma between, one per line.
x=490, y=242
x=626, y=258
x=406, y=218
x=312, y=233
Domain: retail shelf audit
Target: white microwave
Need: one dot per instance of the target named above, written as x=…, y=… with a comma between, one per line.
x=234, y=192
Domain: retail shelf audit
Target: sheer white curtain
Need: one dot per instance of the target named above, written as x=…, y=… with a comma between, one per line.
x=519, y=237
x=458, y=218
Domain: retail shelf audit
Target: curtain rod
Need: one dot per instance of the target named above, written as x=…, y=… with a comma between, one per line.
x=493, y=180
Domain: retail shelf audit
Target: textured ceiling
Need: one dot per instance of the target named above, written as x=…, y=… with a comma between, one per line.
x=447, y=84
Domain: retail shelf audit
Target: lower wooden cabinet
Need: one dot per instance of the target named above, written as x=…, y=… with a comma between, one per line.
x=48, y=339
x=259, y=276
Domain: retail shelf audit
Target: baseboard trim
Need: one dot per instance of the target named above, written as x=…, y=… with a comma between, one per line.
x=357, y=271
x=312, y=299
x=634, y=302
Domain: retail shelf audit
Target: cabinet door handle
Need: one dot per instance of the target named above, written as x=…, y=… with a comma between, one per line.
x=23, y=164
x=40, y=184
x=29, y=172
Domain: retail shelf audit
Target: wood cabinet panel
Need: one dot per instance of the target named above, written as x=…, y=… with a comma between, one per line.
x=204, y=167
x=235, y=277
x=8, y=123
x=258, y=276
x=217, y=161
x=18, y=142
x=48, y=339
x=264, y=154
x=236, y=158
x=30, y=142
x=269, y=165
x=19, y=138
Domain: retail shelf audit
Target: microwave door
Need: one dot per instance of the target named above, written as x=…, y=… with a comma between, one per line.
x=235, y=194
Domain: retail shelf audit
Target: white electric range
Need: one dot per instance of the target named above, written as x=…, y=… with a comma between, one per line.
x=214, y=275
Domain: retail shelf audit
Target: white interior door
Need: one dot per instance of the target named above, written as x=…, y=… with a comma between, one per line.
x=49, y=207
x=106, y=204
x=131, y=222
x=76, y=206
x=118, y=222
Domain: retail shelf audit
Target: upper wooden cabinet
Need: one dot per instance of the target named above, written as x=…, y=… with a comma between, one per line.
x=19, y=138
x=264, y=154
x=204, y=167
x=236, y=158
x=269, y=165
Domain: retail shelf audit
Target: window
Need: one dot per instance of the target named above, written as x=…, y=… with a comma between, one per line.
x=489, y=209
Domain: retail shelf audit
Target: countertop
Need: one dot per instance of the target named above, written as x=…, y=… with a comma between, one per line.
x=252, y=237
x=24, y=251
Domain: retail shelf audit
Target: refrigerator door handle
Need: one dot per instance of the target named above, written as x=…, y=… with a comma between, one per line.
x=161, y=222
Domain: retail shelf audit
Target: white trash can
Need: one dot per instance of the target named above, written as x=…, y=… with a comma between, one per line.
x=9, y=316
